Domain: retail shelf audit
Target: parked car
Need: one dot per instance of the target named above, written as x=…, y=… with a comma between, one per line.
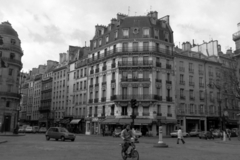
x=29, y=129
x=117, y=132
x=22, y=129
x=217, y=133
x=59, y=133
x=205, y=135
x=194, y=132
x=42, y=130
x=174, y=134
x=35, y=129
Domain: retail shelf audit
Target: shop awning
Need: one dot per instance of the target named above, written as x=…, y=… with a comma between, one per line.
x=64, y=121
x=142, y=121
x=125, y=121
x=75, y=121
x=169, y=121
x=110, y=121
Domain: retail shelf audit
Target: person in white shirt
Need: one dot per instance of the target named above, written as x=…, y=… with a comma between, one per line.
x=180, y=136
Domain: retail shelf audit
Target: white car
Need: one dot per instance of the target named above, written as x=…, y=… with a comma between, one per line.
x=194, y=132
x=138, y=133
x=174, y=134
x=29, y=129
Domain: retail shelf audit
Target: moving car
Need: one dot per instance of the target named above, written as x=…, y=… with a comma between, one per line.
x=205, y=135
x=217, y=133
x=194, y=132
x=59, y=133
x=174, y=134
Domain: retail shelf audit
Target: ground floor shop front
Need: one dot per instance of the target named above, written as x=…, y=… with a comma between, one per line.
x=148, y=127
x=8, y=120
x=189, y=123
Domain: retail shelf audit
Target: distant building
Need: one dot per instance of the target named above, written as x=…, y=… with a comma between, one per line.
x=10, y=66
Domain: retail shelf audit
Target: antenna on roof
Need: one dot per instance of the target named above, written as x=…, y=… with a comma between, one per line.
x=128, y=11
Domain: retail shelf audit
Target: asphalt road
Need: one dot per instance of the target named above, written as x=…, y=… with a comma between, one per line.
x=35, y=147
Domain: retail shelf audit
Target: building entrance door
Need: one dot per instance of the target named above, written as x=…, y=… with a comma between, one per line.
x=7, y=123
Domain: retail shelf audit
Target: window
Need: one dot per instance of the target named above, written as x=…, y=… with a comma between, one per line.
x=145, y=60
x=135, y=46
x=145, y=74
x=96, y=94
x=201, y=95
x=169, y=110
x=125, y=47
x=146, y=32
x=135, y=91
x=145, y=111
x=96, y=80
x=10, y=71
x=9, y=88
x=107, y=39
x=181, y=93
x=113, y=91
x=13, y=41
x=124, y=75
x=191, y=94
x=100, y=42
x=156, y=33
x=158, y=109
x=116, y=34
x=190, y=67
x=145, y=46
x=135, y=75
x=94, y=44
x=104, y=93
x=12, y=55
x=146, y=90
x=181, y=78
x=158, y=76
x=113, y=76
x=191, y=79
x=104, y=78
x=166, y=35
x=125, y=33
x=124, y=92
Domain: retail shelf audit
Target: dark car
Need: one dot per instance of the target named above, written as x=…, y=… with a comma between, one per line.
x=206, y=135
x=59, y=133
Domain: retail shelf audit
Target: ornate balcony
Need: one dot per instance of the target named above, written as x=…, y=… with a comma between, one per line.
x=91, y=71
x=168, y=66
x=96, y=70
x=138, y=97
x=182, y=97
x=113, y=65
x=135, y=80
x=103, y=99
x=157, y=97
x=182, y=82
x=104, y=68
x=144, y=63
x=113, y=81
x=169, y=114
x=158, y=64
x=95, y=100
x=191, y=84
x=169, y=99
x=168, y=82
x=181, y=69
x=191, y=70
x=159, y=80
x=90, y=101
x=44, y=109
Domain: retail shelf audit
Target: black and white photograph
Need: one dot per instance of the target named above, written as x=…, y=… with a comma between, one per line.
x=119, y=79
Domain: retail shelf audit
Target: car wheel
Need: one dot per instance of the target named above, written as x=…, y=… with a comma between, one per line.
x=47, y=138
x=56, y=139
x=72, y=139
x=63, y=138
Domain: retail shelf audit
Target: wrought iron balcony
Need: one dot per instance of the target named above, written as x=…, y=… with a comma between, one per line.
x=104, y=68
x=200, y=72
x=157, y=97
x=95, y=100
x=168, y=82
x=135, y=79
x=192, y=98
x=44, y=109
x=159, y=80
x=191, y=70
x=113, y=80
x=168, y=66
x=201, y=85
x=95, y=115
x=138, y=63
x=169, y=99
x=97, y=84
x=146, y=114
x=113, y=65
x=103, y=99
x=182, y=97
x=181, y=69
x=96, y=70
x=169, y=114
x=138, y=97
x=90, y=101
x=191, y=83
x=182, y=82
x=91, y=71
x=104, y=83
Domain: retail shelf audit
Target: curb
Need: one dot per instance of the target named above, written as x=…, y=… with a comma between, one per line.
x=3, y=142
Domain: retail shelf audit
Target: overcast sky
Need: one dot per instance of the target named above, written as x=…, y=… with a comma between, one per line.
x=47, y=27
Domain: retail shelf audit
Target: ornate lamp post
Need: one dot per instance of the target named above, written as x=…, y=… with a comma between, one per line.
x=133, y=105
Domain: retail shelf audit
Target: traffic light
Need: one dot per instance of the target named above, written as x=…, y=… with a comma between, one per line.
x=133, y=103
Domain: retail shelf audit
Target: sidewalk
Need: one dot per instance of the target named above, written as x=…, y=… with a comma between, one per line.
x=234, y=141
x=11, y=134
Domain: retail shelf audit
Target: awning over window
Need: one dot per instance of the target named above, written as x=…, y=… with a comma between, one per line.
x=75, y=121
x=136, y=121
x=111, y=121
x=169, y=121
x=64, y=121
x=125, y=121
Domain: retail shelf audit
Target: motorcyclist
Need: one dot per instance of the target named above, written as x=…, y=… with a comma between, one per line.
x=126, y=135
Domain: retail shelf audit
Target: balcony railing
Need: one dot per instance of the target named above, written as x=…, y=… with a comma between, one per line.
x=168, y=66
x=103, y=99
x=124, y=113
x=138, y=63
x=91, y=71
x=182, y=97
x=191, y=71
x=157, y=97
x=89, y=115
x=181, y=69
x=113, y=65
x=201, y=85
x=159, y=80
x=12, y=60
x=168, y=82
x=103, y=114
x=91, y=85
x=191, y=83
x=95, y=100
x=138, y=97
x=169, y=99
x=44, y=108
x=95, y=115
x=192, y=98
x=104, y=68
x=90, y=101
x=8, y=94
x=135, y=79
x=212, y=100
x=96, y=70
x=123, y=50
x=182, y=82
x=97, y=84
x=236, y=35
x=159, y=114
x=200, y=72
x=113, y=80
x=201, y=99
x=104, y=83
x=112, y=113
x=169, y=114
x=146, y=114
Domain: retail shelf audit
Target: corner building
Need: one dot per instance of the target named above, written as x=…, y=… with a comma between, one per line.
x=10, y=66
x=132, y=58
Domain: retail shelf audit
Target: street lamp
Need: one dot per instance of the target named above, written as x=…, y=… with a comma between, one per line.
x=133, y=105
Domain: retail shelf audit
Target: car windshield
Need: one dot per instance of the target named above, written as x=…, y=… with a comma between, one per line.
x=63, y=130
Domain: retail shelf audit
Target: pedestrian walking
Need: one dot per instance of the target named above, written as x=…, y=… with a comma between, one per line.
x=180, y=136
x=229, y=133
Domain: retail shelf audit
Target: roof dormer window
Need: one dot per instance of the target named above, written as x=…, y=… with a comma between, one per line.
x=166, y=36
x=100, y=42
x=125, y=33
x=13, y=41
x=146, y=32
x=107, y=39
x=156, y=34
x=116, y=34
x=94, y=44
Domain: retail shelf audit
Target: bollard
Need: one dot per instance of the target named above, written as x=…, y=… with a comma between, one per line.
x=160, y=143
